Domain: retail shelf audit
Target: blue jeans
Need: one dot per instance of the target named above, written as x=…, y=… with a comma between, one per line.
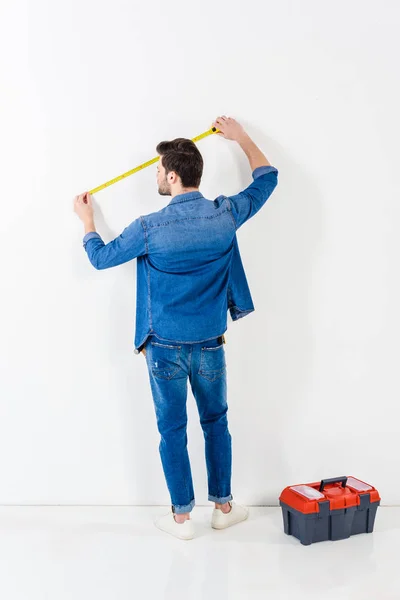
x=169, y=366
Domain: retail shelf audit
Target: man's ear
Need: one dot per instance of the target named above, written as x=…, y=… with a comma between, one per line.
x=172, y=177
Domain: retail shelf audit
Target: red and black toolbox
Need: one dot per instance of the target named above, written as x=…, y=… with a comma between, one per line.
x=333, y=509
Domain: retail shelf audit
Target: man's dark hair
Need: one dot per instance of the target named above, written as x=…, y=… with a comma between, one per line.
x=182, y=156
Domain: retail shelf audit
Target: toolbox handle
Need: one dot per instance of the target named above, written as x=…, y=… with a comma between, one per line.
x=325, y=482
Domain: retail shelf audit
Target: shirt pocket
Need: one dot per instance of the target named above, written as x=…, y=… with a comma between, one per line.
x=165, y=360
x=212, y=362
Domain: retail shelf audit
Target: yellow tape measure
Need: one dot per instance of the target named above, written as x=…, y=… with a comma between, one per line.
x=148, y=163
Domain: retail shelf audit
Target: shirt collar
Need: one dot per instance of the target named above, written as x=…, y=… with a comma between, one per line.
x=185, y=197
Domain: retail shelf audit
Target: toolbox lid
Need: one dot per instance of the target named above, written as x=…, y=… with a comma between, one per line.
x=358, y=485
x=308, y=492
x=340, y=492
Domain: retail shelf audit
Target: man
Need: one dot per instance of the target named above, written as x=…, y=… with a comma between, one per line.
x=188, y=274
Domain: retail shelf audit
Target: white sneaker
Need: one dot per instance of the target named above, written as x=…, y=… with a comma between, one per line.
x=237, y=513
x=184, y=531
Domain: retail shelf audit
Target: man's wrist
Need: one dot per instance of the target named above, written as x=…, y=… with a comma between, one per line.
x=243, y=138
x=89, y=225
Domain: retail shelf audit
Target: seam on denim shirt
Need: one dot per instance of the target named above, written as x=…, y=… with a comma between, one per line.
x=145, y=234
x=231, y=213
x=271, y=169
x=144, y=224
x=92, y=235
x=149, y=296
x=191, y=341
x=184, y=200
x=187, y=219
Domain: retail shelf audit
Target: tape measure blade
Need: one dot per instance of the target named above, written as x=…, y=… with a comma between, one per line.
x=147, y=164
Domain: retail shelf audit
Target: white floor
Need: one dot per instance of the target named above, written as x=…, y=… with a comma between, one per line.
x=55, y=553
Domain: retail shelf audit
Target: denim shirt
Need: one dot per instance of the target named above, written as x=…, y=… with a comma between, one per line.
x=189, y=269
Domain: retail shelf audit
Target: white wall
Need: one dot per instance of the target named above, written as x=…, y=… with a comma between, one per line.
x=87, y=91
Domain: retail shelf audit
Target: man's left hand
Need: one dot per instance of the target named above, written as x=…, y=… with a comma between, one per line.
x=83, y=206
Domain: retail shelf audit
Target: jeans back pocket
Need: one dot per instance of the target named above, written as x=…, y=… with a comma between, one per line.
x=212, y=362
x=165, y=360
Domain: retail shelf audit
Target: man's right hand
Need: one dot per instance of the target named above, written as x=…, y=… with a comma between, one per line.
x=232, y=130
x=229, y=128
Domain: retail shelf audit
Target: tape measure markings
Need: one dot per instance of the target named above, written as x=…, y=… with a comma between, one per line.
x=148, y=163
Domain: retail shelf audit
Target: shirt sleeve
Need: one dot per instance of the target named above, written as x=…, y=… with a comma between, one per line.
x=248, y=202
x=130, y=244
